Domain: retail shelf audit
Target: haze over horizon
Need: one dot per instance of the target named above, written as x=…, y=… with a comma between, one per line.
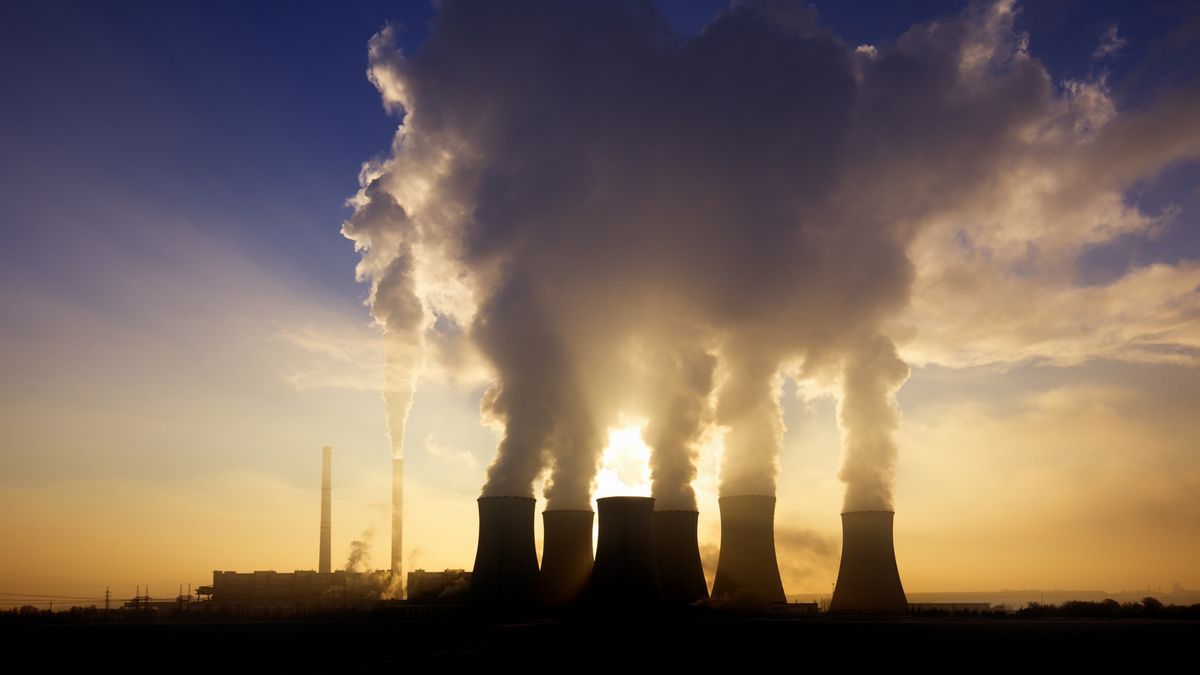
x=1006, y=201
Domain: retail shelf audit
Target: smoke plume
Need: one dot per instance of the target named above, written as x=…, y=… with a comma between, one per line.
x=869, y=419
x=679, y=388
x=359, y=558
x=625, y=221
x=384, y=235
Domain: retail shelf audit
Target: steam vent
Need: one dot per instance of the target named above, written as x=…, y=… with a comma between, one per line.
x=868, y=580
x=566, y=556
x=677, y=557
x=506, y=565
x=624, y=572
x=747, y=573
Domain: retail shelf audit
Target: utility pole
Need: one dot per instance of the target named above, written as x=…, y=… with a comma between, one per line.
x=106, y=599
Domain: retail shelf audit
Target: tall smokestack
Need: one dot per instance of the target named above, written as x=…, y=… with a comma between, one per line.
x=397, y=517
x=566, y=556
x=323, y=566
x=747, y=572
x=868, y=579
x=624, y=572
x=677, y=557
x=506, y=565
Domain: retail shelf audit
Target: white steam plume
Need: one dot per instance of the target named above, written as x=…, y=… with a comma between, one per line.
x=572, y=182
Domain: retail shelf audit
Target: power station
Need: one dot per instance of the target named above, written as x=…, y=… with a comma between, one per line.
x=644, y=558
x=648, y=558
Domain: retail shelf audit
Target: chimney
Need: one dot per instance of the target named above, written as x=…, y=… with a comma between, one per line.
x=747, y=572
x=566, y=556
x=677, y=557
x=624, y=573
x=326, y=523
x=397, y=517
x=506, y=565
x=868, y=580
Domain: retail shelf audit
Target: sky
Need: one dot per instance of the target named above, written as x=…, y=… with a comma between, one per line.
x=182, y=327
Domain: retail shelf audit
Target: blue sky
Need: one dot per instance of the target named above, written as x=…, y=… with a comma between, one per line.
x=252, y=118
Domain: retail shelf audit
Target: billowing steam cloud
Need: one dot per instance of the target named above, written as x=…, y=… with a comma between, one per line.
x=869, y=419
x=624, y=221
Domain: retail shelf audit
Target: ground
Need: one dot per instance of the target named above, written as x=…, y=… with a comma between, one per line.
x=618, y=643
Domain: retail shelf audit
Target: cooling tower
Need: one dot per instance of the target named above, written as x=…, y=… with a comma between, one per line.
x=323, y=564
x=677, y=557
x=506, y=565
x=624, y=573
x=868, y=580
x=747, y=572
x=566, y=556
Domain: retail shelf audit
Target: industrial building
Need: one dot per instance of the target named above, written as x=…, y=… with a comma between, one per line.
x=295, y=591
x=444, y=586
x=302, y=590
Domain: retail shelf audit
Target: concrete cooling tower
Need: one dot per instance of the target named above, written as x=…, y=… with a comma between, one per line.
x=677, y=557
x=506, y=565
x=868, y=580
x=566, y=556
x=624, y=572
x=747, y=572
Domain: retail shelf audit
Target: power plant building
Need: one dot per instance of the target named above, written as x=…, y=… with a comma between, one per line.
x=444, y=586
x=295, y=591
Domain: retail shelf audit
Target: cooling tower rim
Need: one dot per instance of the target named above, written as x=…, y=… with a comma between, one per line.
x=568, y=511
x=625, y=498
x=847, y=513
x=771, y=497
x=526, y=499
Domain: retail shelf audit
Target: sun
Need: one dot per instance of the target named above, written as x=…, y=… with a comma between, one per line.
x=624, y=463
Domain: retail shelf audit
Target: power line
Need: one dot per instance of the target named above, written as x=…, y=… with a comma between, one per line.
x=56, y=597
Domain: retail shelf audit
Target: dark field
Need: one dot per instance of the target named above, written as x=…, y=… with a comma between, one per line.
x=626, y=644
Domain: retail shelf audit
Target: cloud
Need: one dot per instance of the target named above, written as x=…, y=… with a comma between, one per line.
x=981, y=314
x=1110, y=44
x=340, y=357
x=452, y=456
x=807, y=558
